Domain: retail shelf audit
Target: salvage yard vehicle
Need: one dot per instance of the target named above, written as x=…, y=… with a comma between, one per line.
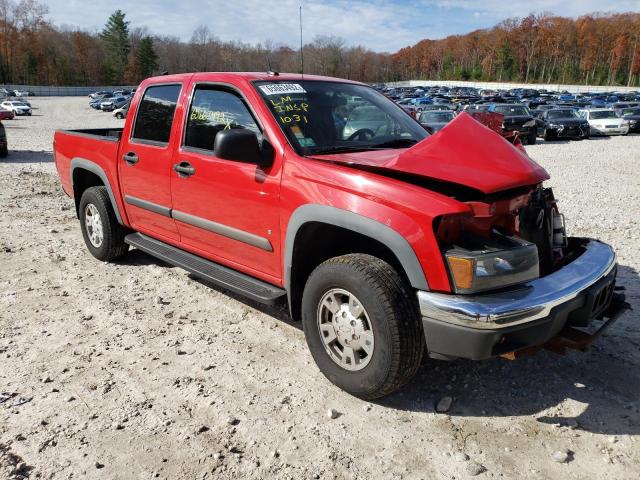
x=605, y=121
x=562, y=123
x=517, y=118
x=6, y=114
x=122, y=111
x=632, y=115
x=435, y=120
x=386, y=242
x=4, y=146
x=17, y=107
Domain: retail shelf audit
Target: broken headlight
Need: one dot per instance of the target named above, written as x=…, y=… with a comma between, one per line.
x=482, y=264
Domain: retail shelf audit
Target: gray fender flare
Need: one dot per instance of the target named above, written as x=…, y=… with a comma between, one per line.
x=93, y=167
x=360, y=224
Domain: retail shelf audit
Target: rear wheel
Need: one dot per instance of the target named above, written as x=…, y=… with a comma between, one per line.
x=532, y=138
x=362, y=325
x=119, y=115
x=4, y=151
x=102, y=233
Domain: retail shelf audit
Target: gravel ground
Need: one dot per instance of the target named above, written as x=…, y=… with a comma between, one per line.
x=137, y=370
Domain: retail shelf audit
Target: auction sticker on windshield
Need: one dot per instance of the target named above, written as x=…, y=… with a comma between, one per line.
x=280, y=88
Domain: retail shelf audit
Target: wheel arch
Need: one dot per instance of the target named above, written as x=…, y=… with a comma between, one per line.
x=84, y=174
x=369, y=234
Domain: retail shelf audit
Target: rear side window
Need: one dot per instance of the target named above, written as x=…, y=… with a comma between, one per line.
x=155, y=113
x=213, y=110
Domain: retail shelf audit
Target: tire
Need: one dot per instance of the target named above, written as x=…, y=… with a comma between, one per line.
x=532, y=138
x=95, y=200
x=4, y=152
x=390, y=310
x=119, y=115
x=546, y=137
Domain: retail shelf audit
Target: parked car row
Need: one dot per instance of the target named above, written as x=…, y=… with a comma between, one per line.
x=9, y=109
x=112, y=101
x=5, y=92
x=527, y=114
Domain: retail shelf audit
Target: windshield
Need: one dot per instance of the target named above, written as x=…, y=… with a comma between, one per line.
x=511, y=110
x=436, y=117
x=603, y=114
x=323, y=117
x=630, y=111
x=553, y=114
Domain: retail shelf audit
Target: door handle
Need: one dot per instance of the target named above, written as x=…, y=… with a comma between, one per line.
x=184, y=169
x=131, y=158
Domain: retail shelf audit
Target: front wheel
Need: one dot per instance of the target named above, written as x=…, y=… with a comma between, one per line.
x=362, y=325
x=102, y=233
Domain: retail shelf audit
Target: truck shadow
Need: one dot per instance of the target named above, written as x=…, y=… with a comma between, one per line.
x=28, y=156
x=601, y=387
x=596, y=391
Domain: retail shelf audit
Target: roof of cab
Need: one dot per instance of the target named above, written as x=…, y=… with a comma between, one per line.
x=247, y=76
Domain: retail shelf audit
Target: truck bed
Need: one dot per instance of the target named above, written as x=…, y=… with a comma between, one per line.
x=97, y=145
x=111, y=134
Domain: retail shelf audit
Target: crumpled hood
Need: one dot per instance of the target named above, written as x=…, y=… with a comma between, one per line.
x=463, y=152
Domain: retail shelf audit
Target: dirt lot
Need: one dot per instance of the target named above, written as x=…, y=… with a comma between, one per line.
x=136, y=370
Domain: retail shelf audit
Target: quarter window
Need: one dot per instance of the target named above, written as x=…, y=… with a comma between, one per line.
x=213, y=110
x=155, y=113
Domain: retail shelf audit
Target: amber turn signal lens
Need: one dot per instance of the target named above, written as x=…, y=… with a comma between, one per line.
x=462, y=270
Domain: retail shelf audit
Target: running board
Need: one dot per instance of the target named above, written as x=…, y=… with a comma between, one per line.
x=223, y=276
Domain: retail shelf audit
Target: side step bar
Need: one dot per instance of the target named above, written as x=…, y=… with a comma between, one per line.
x=223, y=276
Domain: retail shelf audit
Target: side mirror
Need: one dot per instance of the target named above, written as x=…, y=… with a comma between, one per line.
x=242, y=145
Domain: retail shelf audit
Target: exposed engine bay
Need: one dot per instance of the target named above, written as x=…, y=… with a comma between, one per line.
x=507, y=239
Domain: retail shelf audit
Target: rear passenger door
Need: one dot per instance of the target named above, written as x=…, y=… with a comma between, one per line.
x=146, y=161
x=226, y=210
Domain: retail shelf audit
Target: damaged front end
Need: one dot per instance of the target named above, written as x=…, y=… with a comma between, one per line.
x=521, y=284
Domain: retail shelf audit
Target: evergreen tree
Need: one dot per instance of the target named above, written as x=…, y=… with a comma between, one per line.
x=146, y=58
x=115, y=39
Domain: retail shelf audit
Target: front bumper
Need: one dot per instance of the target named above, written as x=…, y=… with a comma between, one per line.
x=623, y=130
x=570, y=132
x=486, y=325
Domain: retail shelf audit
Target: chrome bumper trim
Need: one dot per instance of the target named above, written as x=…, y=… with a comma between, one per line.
x=532, y=301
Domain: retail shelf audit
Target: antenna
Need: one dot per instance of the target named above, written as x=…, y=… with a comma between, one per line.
x=301, y=53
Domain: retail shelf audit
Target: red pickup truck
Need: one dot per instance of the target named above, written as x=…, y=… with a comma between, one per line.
x=387, y=243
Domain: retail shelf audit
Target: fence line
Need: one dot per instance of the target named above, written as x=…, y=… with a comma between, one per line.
x=509, y=86
x=50, y=91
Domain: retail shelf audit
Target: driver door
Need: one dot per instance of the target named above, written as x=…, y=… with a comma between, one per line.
x=226, y=210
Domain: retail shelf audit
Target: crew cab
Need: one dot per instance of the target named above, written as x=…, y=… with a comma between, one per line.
x=386, y=242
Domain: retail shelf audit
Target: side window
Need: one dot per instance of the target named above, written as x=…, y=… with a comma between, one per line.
x=215, y=110
x=155, y=113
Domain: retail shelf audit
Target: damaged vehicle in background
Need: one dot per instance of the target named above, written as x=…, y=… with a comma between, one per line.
x=434, y=120
x=562, y=123
x=517, y=118
x=386, y=242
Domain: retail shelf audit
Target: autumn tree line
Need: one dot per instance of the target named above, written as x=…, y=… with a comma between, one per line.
x=594, y=49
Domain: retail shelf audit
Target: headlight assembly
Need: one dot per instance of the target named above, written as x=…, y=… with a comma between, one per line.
x=494, y=264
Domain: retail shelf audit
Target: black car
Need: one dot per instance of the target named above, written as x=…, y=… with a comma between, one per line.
x=633, y=115
x=4, y=148
x=562, y=123
x=517, y=117
x=434, y=120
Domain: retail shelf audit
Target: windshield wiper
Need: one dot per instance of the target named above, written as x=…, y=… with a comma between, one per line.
x=335, y=149
x=395, y=143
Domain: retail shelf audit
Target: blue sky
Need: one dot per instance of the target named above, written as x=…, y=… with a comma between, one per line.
x=379, y=25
